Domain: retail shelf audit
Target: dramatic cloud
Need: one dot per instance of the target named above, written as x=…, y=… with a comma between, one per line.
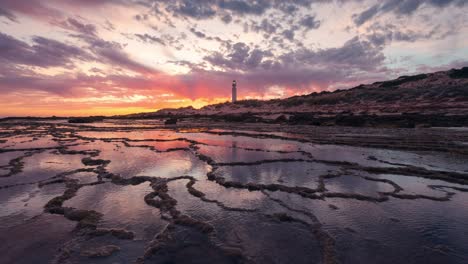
x=34, y=8
x=298, y=70
x=137, y=55
x=402, y=7
x=310, y=22
x=205, y=9
x=8, y=15
x=265, y=26
x=198, y=33
x=149, y=38
x=79, y=27
x=43, y=53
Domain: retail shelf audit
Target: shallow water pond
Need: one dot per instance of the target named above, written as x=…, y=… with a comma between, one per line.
x=124, y=192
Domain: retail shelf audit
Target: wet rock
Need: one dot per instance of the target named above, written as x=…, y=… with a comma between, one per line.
x=82, y=120
x=118, y=233
x=253, y=187
x=243, y=117
x=183, y=245
x=86, y=218
x=283, y=217
x=188, y=221
x=233, y=184
x=281, y=119
x=94, y=162
x=232, y=252
x=194, y=192
x=103, y=251
x=122, y=234
x=171, y=121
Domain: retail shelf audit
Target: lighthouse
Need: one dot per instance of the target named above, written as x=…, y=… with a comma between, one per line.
x=234, y=91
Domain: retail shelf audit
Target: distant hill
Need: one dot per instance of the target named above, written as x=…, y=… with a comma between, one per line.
x=439, y=95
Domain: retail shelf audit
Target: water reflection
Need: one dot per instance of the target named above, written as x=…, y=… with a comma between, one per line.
x=273, y=200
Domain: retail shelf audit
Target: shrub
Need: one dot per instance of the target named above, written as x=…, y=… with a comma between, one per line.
x=459, y=74
x=403, y=79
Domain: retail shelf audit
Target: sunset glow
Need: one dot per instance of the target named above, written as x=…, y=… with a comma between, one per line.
x=103, y=57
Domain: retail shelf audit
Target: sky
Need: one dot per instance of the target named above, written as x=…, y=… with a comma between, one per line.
x=109, y=57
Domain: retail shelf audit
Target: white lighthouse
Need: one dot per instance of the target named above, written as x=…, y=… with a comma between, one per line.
x=234, y=91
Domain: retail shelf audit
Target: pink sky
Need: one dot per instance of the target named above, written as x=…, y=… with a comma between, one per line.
x=102, y=57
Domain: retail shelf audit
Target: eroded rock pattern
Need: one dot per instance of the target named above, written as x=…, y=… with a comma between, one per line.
x=140, y=192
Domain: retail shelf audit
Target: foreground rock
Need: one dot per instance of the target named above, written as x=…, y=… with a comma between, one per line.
x=103, y=251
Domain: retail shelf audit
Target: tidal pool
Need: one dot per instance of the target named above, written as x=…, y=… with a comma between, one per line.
x=139, y=192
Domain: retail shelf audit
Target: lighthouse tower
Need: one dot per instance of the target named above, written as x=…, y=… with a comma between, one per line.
x=234, y=91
